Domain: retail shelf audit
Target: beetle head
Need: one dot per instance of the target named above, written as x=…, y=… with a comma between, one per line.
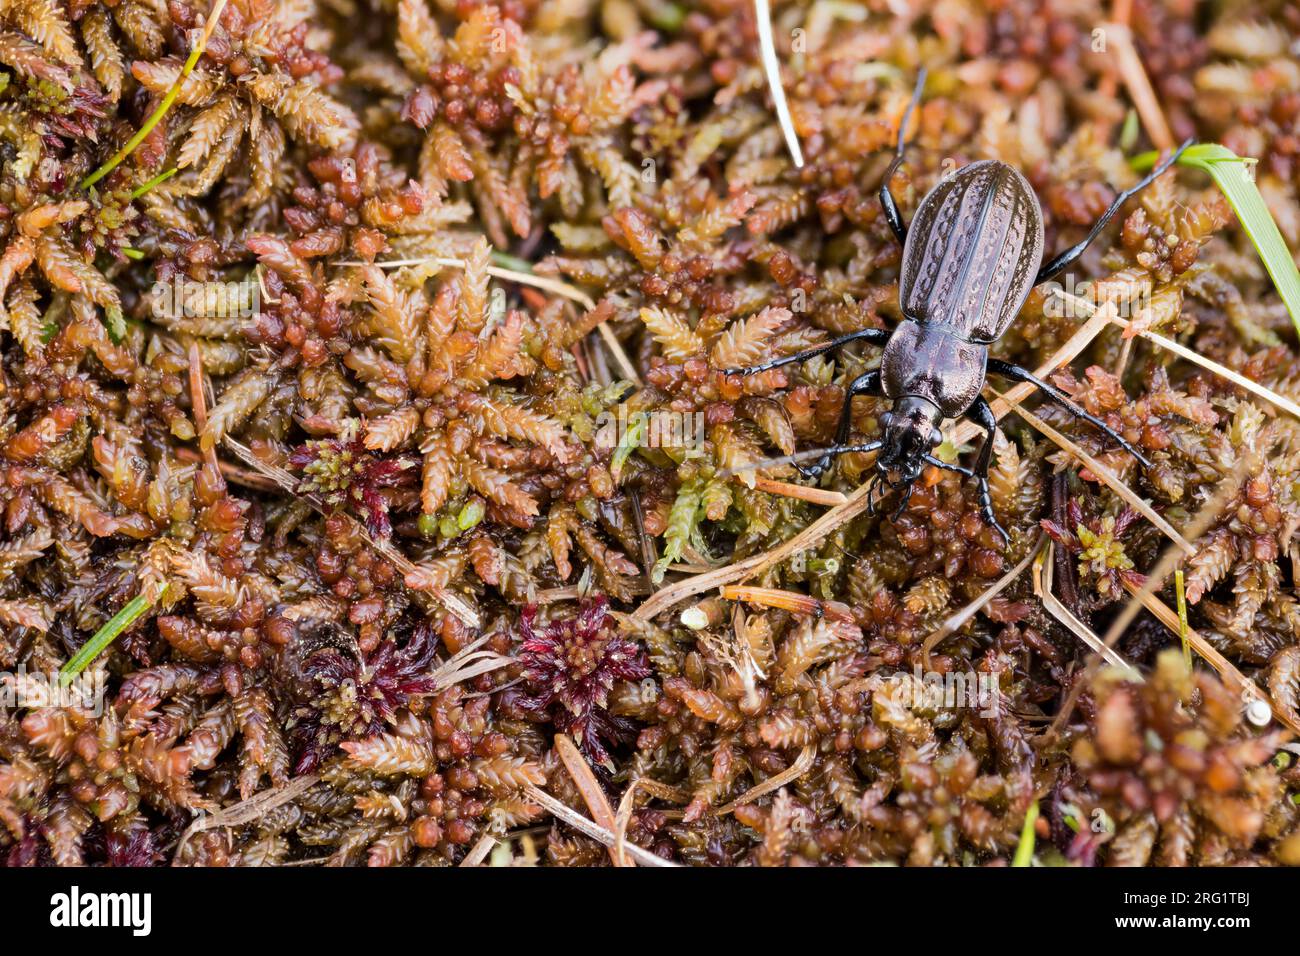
x=911, y=433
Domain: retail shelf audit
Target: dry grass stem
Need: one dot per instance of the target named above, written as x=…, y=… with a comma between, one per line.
x=791, y=773
x=598, y=833
x=1139, y=86
x=453, y=602
x=772, y=70
x=1043, y=571
x=1107, y=477
x=958, y=620
x=816, y=496
x=1224, y=667
x=1171, y=558
x=592, y=792
x=1275, y=399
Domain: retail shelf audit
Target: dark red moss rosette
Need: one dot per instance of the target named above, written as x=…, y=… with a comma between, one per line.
x=569, y=666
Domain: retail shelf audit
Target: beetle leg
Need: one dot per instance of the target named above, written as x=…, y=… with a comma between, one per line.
x=868, y=383
x=1016, y=373
x=1067, y=258
x=907, y=496
x=871, y=495
x=940, y=463
x=982, y=415
x=874, y=336
x=887, y=201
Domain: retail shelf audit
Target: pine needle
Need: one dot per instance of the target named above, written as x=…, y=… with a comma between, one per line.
x=168, y=99
x=198, y=402
x=592, y=793
x=791, y=601
x=817, y=496
x=1139, y=86
x=232, y=472
x=105, y=636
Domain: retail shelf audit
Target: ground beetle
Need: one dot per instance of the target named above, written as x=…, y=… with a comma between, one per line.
x=970, y=258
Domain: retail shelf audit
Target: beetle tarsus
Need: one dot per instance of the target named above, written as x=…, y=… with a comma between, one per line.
x=817, y=468
x=981, y=413
x=986, y=509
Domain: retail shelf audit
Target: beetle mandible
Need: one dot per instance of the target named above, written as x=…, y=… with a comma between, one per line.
x=971, y=256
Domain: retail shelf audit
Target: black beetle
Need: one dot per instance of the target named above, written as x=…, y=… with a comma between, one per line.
x=970, y=259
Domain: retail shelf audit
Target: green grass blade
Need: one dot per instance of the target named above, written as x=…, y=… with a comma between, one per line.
x=507, y=261
x=154, y=118
x=168, y=99
x=160, y=178
x=118, y=623
x=1025, y=848
x=1232, y=174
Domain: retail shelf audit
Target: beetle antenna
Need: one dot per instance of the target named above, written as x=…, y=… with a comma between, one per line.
x=911, y=108
x=901, y=146
x=774, y=462
x=800, y=456
x=947, y=466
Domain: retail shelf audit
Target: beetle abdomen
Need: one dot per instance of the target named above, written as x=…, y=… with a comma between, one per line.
x=973, y=251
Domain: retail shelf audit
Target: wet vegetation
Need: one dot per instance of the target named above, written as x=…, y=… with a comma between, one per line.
x=331, y=412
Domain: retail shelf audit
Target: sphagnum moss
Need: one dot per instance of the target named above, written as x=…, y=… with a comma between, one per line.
x=268, y=664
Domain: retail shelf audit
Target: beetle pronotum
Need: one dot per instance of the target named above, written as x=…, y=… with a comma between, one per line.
x=971, y=256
